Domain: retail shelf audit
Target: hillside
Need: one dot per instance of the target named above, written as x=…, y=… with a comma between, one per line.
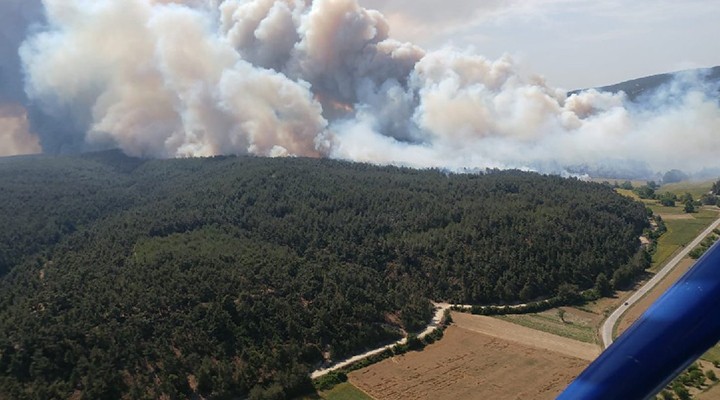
x=636, y=88
x=234, y=276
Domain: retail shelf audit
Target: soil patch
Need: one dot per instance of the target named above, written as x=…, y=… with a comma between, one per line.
x=480, y=358
x=526, y=336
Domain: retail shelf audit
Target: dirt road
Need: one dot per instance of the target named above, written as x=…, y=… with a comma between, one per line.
x=440, y=309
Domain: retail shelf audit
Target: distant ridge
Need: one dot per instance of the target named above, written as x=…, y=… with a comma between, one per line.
x=635, y=88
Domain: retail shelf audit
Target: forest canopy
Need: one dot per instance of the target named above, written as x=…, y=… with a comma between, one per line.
x=236, y=276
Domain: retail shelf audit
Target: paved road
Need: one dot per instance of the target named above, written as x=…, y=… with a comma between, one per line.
x=606, y=330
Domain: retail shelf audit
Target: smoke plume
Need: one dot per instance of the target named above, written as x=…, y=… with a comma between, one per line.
x=321, y=78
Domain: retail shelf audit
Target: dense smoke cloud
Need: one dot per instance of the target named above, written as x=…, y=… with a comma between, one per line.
x=325, y=78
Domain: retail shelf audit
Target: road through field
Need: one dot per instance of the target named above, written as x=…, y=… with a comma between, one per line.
x=608, y=326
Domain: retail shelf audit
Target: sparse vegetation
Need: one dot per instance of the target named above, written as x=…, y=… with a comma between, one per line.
x=692, y=381
x=561, y=315
x=551, y=322
x=705, y=245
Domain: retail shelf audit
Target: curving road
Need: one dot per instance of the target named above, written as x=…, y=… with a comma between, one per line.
x=606, y=331
x=437, y=318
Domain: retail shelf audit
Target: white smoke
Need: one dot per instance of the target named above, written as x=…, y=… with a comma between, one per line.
x=324, y=78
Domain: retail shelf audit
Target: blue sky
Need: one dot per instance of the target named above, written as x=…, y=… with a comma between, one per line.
x=572, y=43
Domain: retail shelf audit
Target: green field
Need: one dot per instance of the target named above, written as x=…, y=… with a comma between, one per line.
x=695, y=188
x=630, y=194
x=345, y=391
x=712, y=355
x=680, y=231
x=550, y=322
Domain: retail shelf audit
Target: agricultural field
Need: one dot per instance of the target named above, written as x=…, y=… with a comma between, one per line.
x=480, y=357
x=570, y=323
x=695, y=188
x=682, y=228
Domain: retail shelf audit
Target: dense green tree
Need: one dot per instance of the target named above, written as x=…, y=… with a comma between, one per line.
x=716, y=188
x=232, y=277
x=689, y=207
x=686, y=198
x=602, y=285
x=709, y=199
x=645, y=192
x=668, y=199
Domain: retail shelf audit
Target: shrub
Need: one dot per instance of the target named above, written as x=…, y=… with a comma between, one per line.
x=329, y=381
x=710, y=374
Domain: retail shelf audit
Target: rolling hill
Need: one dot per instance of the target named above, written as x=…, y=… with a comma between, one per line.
x=635, y=89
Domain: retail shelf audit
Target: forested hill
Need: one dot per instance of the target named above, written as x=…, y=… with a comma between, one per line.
x=635, y=89
x=235, y=276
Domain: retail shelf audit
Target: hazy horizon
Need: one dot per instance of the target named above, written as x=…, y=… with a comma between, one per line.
x=574, y=44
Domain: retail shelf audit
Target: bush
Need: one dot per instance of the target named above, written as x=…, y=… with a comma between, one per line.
x=681, y=392
x=330, y=380
x=689, y=207
x=666, y=395
x=709, y=199
x=414, y=343
x=710, y=374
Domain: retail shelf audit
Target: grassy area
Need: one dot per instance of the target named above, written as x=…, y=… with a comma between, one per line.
x=680, y=231
x=712, y=355
x=695, y=188
x=345, y=391
x=550, y=322
x=682, y=227
x=628, y=193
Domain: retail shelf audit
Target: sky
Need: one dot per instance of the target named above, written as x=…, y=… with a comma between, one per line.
x=572, y=43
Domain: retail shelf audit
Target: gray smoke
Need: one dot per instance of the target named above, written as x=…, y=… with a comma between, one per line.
x=16, y=20
x=325, y=78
